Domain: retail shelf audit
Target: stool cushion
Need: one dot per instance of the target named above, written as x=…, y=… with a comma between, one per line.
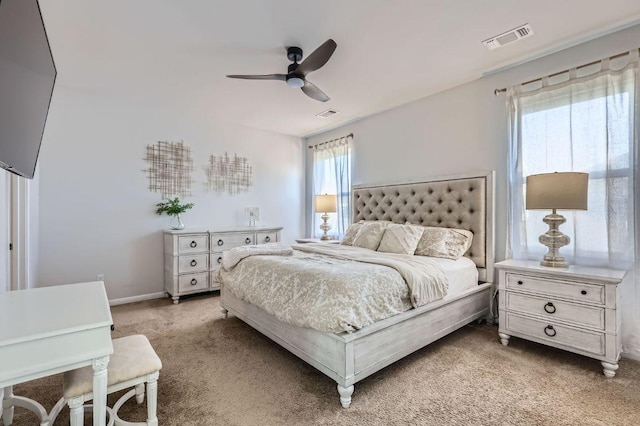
x=132, y=357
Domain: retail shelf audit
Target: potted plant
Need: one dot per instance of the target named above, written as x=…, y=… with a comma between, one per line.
x=173, y=208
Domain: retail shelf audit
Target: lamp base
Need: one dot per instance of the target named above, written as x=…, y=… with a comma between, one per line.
x=554, y=239
x=325, y=226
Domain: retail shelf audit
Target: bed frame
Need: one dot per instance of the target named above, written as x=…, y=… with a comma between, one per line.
x=461, y=201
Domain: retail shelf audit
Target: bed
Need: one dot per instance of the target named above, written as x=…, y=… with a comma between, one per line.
x=462, y=202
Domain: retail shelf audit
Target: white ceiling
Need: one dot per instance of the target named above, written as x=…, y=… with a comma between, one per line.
x=389, y=52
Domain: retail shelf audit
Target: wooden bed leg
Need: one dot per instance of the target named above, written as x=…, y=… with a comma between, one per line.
x=345, y=395
x=224, y=312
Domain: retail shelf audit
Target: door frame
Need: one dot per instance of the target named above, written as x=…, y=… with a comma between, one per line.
x=19, y=210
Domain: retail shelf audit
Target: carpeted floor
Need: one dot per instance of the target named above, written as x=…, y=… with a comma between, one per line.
x=222, y=372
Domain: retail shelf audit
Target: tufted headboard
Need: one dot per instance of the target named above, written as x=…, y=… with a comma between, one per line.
x=461, y=201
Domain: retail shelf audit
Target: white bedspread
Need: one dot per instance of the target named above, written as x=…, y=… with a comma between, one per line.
x=425, y=278
x=230, y=258
x=334, y=288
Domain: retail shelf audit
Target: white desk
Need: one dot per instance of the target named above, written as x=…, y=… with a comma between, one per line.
x=50, y=330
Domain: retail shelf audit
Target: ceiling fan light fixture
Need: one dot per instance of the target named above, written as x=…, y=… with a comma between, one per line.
x=295, y=81
x=296, y=75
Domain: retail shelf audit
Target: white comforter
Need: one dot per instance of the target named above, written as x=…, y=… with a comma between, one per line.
x=334, y=288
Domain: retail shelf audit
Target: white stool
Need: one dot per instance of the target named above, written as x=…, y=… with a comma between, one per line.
x=133, y=363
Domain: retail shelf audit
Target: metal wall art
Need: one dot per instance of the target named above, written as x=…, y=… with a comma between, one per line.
x=231, y=175
x=171, y=167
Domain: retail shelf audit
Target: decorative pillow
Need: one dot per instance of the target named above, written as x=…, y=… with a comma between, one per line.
x=401, y=239
x=444, y=242
x=370, y=234
x=351, y=233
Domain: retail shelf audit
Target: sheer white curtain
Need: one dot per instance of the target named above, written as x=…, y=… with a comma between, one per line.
x=332, y=175
x=585, y=124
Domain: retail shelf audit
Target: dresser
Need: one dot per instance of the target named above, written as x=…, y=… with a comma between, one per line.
x=574, y=308
x=192, y=257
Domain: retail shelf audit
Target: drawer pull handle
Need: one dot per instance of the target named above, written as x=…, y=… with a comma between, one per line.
x=267, y=239
x=247, y=240
x=220, y=259
x=520, y=282
x=193, y=262
x=194, y=281
x=549, y=331
x=583, y=292
x=549, y=308
x=220, y=242
x=193, y=244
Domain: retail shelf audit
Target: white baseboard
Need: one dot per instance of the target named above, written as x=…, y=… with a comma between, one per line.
x=122, y=301
x=632, y=356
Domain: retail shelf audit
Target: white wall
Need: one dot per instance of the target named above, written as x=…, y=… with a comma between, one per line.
x=464, y=129
x=96, y=213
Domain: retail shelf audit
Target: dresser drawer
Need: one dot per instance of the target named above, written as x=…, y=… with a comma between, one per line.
x=588, y=341
x=193, y=244
x=580, y=292
x=216, y=260
x=552, y=309
x=266, y=237
x=193, y=263
x=193, y=282
x=221, y=242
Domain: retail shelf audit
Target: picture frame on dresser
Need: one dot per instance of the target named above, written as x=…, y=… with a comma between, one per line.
x=192, y=256
x=574, y=308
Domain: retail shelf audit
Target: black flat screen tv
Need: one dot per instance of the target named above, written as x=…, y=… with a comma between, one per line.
x=27, y=76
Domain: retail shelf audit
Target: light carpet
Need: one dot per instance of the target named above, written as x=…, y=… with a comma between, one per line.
x=222, y=372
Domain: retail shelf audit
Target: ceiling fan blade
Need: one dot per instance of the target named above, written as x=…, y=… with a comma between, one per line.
x=318, y=57
x=282, y=77
x=312, y=91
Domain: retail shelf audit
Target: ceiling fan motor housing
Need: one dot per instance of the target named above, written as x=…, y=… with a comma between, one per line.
x=294, y=54
x=294, y=79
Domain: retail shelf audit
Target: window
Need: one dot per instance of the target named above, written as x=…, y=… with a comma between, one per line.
x=585, y=125
x=332, y=175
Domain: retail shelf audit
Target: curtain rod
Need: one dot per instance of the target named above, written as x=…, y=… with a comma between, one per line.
x=332, y=140
x=619, y=55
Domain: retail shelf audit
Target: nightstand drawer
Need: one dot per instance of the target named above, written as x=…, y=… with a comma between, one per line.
x=551, y=309
x=553, y=333
x=266, y=237
x=193, y=244
x=193, y=263
x=221, y=242
x=193, y=282
x=589, y=293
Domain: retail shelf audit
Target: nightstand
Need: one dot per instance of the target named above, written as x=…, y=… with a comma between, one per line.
x=316, y=240
x=574, y=308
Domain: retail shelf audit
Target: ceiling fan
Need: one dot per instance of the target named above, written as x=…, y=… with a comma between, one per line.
x=296, y=76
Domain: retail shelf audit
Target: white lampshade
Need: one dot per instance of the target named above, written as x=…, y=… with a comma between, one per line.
x=561, y=191
x=326, y=203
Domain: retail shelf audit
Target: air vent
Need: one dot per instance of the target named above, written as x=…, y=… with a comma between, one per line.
x=327, y=113
x=508, y=37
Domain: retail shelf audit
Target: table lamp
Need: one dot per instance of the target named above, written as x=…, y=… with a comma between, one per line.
x=325, y=204
x=556, y=191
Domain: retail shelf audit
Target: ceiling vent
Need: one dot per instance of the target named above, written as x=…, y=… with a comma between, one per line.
x=508, y=37
x=327, y=113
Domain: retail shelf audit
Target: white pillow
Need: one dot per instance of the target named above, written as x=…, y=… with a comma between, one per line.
x=370, y=234
x=401, y=239
x=352, y=232
x=448, y=243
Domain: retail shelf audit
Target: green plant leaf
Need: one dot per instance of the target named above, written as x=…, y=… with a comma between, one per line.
x=172, y=207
